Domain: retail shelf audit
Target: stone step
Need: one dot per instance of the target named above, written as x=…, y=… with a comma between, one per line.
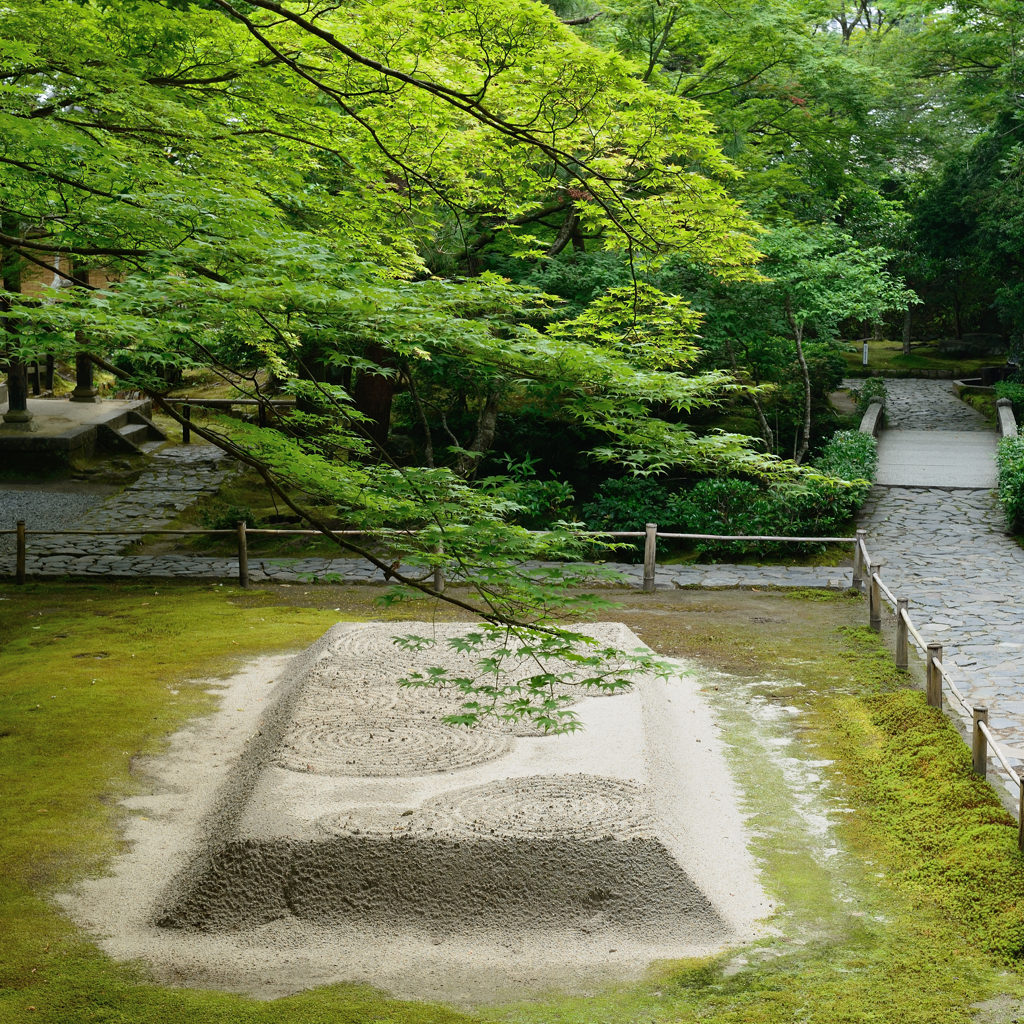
x=135, y=432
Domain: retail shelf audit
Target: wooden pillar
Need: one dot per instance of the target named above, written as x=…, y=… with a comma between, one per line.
x=874, y=598
x=48, y=383
x=902, y=634
x=243, y=557
x=85, y=390
x=19, y=559
x=933, y=676
x=858, y=560
x=979, y=745
x=650, y=556
x=186, y=427
x=18, y=416
x=36, y=382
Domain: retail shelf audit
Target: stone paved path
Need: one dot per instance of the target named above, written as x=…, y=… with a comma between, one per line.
x=946, y=547
x=917, y=404
x=949, y=553
x=357, y=570
x=932, y=439
x=175, y=477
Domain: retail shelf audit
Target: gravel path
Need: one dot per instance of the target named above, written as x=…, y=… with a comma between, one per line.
x=173, y=480
x=43, y=509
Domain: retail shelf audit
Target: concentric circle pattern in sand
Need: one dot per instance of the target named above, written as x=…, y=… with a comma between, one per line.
x=581, y=807
x=397, y=747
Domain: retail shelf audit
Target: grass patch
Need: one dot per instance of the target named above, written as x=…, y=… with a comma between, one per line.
x=888, y=355
x=920, y=914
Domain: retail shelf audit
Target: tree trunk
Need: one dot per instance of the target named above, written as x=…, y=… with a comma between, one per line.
x=906, y=332
x=566, y=233
x=798, y=335
x=485, y=426
x=428, y=444
x=766, y=431
x=373, y=396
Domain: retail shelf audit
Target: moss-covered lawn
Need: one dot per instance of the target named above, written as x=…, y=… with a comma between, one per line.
x=919, y=915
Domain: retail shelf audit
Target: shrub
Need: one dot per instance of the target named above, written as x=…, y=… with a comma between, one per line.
x=220, y=516
x=849, y=455
x=1010, y=459
x=627, y=504
x=873, y=387
x=722, y=506
x=1014, y=391
x=814, y=506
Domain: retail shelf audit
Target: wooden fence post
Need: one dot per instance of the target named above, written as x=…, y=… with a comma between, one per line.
x=243, y=557
x=858, y=560
x=902, y=634
x=933, y=676
x=979, y=745
x=1020, y=812
x=186, y=432
x=650, y=557
x=874, y=598
x=37, y=383
x=19, y=560
x=49, y=373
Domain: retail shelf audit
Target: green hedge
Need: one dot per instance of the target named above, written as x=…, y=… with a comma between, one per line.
x=819, y=503
x=1010, y=459
x=849, y=455
x=1014, y=391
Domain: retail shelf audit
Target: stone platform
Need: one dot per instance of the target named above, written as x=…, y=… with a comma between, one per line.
x=355, y=836
x=65, y=431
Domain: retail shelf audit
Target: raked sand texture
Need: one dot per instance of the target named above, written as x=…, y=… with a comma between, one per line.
x=328, y=827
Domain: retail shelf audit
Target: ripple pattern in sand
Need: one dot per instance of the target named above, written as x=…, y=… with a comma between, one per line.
x=375, y=747
x=582, y=807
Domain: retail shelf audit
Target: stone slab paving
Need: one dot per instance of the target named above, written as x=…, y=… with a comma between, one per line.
x=937, y=458
x=917, y=404
x=175, y=477
x=948, y=552
x=931, y=438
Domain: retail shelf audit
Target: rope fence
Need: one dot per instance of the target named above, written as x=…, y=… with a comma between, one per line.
x=243, y=532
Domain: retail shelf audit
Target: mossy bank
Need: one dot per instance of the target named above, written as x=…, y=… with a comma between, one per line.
x=898, y=891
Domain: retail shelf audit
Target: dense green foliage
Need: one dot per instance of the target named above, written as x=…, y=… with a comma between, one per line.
x=596, y=241
x=819, y=504
x=1010, y=460
x=849, y=455
x=1014, y=391
x=872, y=388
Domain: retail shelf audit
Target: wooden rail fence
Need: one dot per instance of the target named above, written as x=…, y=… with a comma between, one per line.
x=866, y=576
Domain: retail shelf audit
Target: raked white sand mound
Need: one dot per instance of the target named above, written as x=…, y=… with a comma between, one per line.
x=325, y=826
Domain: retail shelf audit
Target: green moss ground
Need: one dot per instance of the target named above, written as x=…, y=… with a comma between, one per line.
x=888, y=355
x=917, y=914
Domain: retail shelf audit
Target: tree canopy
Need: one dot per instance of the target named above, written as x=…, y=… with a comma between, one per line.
x=502, y=250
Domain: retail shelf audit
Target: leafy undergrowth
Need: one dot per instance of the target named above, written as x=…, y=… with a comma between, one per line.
x=923, y=918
